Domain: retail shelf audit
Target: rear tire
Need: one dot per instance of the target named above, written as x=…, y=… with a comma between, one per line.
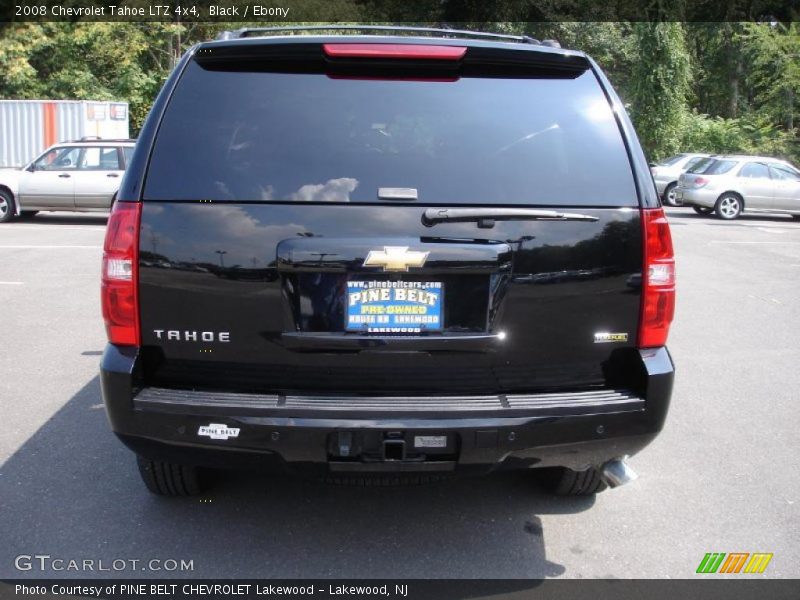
x=702, y=210
x=170, y=479
x=670, y=198
x=566, y=482
x=6, y=206
x=728, y=207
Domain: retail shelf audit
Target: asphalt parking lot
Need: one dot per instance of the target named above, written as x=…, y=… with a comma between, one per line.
x=722, y=477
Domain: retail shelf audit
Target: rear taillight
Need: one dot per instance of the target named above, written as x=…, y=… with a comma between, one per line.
x=120, y=274
x=658, y=281
x=699, y=182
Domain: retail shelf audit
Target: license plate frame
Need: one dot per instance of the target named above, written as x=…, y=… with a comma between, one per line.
x=405, y=307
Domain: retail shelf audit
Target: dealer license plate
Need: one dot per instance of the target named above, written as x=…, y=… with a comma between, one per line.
x=394, y=306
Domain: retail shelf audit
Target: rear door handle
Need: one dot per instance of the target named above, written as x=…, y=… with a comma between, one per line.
x=112, y=175
x=65, y=176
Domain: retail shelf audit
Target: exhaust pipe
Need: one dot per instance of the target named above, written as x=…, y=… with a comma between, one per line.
x=617, y=472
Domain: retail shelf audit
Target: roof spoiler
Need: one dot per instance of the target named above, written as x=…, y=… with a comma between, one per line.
x=445, y=32
x=306, y=54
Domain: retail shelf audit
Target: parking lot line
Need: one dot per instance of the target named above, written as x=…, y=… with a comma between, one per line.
x=40, y=247
x=56, y=227
x=737, y=242
x=12, y=282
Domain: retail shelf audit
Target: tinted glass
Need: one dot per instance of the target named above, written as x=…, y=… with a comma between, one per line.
x=754, y=171
x=713, y=166
x=100, y=158
x=309, y=137
x=128, y=150
x=58, y=159
x=783, y=172
x=701, y=165
x=671, y=161
x=691, y=163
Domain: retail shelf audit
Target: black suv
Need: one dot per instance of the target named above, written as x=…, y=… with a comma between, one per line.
x=387, y=256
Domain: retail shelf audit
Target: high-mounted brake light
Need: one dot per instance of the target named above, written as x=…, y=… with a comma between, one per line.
x=119, y=294
x=658, y=282
x=400, y=51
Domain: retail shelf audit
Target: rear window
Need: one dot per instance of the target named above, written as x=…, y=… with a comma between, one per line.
x=713, y=166
x=693, y=162
x=701, y=165
x=718, y=167
x=671, y=161
x=245, y=136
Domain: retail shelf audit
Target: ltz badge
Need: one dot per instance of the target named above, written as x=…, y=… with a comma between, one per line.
x=606, y=338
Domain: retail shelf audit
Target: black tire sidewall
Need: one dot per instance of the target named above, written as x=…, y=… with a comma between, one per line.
x=170, y=479
x=562, y=481
x=667, y=190
x=9, y=198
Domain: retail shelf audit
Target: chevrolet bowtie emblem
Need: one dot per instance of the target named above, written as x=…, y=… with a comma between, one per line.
x=395, y=258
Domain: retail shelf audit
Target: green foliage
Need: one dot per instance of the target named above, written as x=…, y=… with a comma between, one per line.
x=748, y=75
x=772, y=52
x=717, y=67
x=745, y=135
x=612, y=45
x=715, y=87
x=659, y=94
x=91, y=61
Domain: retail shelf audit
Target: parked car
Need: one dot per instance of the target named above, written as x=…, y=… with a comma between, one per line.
x=362, y=206
x=79, y=176
x=730, y=185
x=666, y=174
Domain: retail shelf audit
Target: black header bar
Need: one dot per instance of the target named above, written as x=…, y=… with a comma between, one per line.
x=445, y=13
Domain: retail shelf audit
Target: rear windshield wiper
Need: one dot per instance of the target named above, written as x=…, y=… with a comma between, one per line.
x=487, y=216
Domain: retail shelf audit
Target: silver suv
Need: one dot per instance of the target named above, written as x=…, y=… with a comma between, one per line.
x=729, y=185
x=77, y=176
x=666, y=174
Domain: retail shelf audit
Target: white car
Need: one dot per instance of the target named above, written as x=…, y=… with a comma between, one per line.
x=76, y=176
x=666, y=174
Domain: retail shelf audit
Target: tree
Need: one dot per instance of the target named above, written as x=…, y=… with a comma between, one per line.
x=733, y=86
x=85, y=61
x=773, y=52
x=660, y=86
